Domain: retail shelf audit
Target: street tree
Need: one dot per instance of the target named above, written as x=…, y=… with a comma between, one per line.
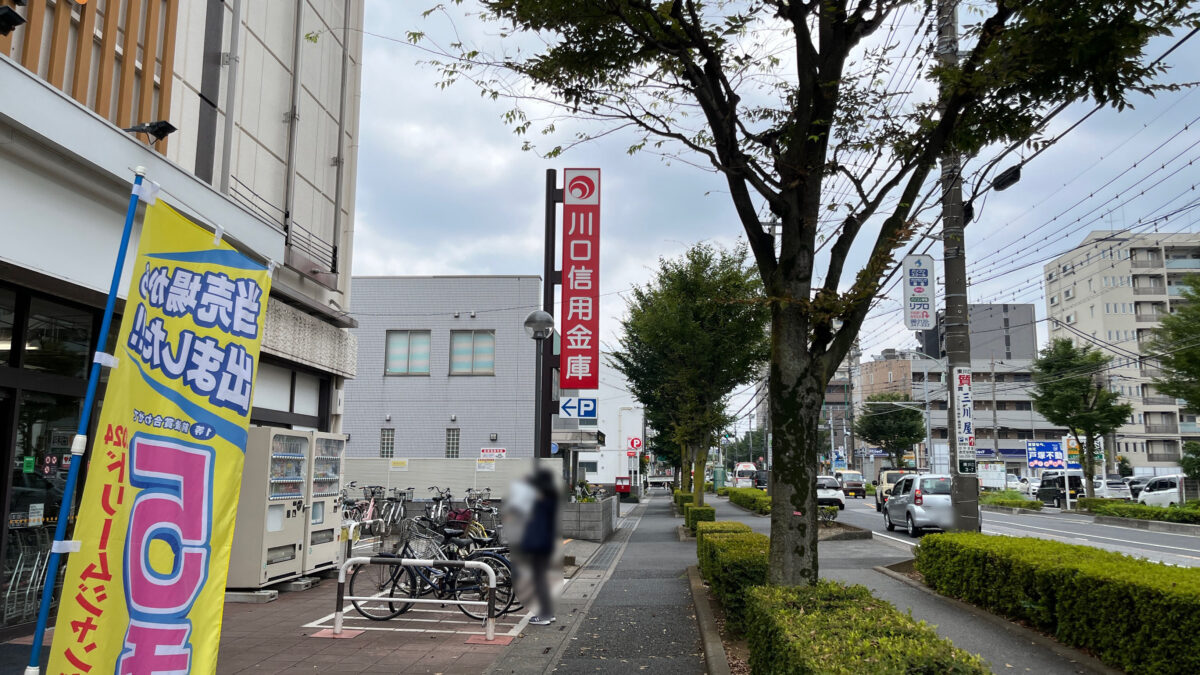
x=787, y=101
x=1070, y=392
x=1124, y=468
x=1176, y=343
x=693, y=335
x=894, y=428
x=1190, y=461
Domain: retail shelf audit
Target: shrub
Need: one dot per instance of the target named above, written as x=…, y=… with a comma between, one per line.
x=696, y=514
x=827, y=514
x=1033, y=504
x=830, y=628
x=870, y=489
x=1135, y=615
x=708, y=487
x=704, y=530
x=1087, y=504
x=1110, y=507
x=751, y=498
x=682, y=498
x=735, y=563
x=723, y=491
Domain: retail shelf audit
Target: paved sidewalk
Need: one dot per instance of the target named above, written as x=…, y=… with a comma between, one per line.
x=1006, y=647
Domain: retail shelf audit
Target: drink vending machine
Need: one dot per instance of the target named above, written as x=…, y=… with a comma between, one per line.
x=289, y=479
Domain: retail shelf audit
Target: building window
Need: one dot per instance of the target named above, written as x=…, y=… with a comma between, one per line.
x=1068, y=294
x=452, y=443
x=407, y=352
x=588, y=467
x=473, y=352
x=1071, y=318
x=387, y=443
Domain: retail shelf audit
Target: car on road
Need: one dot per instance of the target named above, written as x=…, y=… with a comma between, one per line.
x=1029, y=485
x=852, y=482
x=744, y=474
x=1162, y=491
x=762, y=479
x=1012, y=482
x=1111, y=488
x=829, y=492
x=919, y=502
x=1136, y=484
x=887, y=479
x=1056, y=490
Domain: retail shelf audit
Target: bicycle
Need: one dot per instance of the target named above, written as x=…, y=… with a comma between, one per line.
x=393, y=511
x=436, y=511
x=385, y=582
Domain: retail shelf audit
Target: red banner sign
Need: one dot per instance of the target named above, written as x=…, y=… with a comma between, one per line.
x=579, y=364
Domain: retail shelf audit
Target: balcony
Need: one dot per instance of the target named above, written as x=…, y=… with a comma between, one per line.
x=1163, y=456
x=1149, y=290
x=1189, y=428
x=1151, y=372
x=1153, y=317
x=1174, y=291
x=1158, y=400
x=1184, y=264
x=1143, y=264
x=1162, y=428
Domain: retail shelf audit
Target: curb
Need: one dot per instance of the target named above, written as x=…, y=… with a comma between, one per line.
x=1150, y=525
x=1087, y=661
x=715, y=661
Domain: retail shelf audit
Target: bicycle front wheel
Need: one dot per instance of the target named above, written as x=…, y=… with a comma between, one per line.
x=381, y=583
x=472, y=585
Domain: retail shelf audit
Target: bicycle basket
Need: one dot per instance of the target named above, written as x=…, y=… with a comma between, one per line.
x=374, y=492
x=459, y=516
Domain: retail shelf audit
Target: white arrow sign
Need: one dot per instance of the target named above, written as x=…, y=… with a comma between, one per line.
x=577, y=408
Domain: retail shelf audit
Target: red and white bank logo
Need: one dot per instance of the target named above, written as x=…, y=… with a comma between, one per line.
x=582, y=186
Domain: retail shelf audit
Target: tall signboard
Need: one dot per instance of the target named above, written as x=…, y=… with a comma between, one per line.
x=1044, y=454
x=920, y=305
x=579, y=361
x=964, y=421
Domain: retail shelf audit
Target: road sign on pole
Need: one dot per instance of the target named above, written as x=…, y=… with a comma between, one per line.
x=920, y=305
x=582, y=408
x=635, y=443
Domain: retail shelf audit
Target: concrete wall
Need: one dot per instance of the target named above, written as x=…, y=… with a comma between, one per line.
x=592, y=521
x=422, y=407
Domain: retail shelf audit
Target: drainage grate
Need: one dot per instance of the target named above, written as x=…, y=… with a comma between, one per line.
x=604, y=557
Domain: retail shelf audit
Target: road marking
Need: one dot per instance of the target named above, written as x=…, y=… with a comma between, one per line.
x=1079, y=535
x=1061, y=519
x=888, y=536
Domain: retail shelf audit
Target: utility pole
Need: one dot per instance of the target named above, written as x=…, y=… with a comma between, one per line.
x=964, y=492
x=850, y=402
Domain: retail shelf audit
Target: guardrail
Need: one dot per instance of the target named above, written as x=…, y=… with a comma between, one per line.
x=489, y=624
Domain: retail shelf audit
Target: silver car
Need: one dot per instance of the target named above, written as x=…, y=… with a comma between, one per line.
x=918, y=502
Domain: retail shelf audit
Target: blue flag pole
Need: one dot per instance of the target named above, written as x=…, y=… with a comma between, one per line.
x=79, y=444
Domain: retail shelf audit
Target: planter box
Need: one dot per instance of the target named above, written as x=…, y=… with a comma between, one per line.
x=590, y=521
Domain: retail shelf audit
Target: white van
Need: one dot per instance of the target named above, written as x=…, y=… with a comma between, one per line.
x=743, y=474
x=1162, y=491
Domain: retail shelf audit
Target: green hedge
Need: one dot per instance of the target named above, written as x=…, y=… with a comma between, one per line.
x=830, y=628
x=1135, y=615
x=870, y=489
x=708, y=487
x=698, y=514
x=682, y=498
x=1087, y=503
x=751, y=498
x=1143, y=512
x=1017, y=503
x=735, y=562
x=723, y=491
x=706, y=529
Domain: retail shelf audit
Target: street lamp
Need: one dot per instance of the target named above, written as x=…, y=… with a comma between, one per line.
x=928, y=431
x=539, y=325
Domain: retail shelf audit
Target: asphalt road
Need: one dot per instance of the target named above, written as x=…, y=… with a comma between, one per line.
x=1175, y=549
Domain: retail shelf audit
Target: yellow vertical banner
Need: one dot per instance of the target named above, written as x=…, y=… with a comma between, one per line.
x=145, y=591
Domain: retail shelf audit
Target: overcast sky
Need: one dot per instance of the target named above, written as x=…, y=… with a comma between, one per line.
x=444, y=187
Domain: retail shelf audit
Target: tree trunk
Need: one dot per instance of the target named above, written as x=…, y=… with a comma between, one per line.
x=700, y=458
x=796, y=397
x=685, y=469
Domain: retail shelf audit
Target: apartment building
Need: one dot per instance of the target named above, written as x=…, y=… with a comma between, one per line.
x=262, y=150
x=998, y=331
x=1110, y=292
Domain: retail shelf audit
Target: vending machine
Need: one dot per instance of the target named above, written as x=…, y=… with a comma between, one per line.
x=272, y=520
x=323, y=548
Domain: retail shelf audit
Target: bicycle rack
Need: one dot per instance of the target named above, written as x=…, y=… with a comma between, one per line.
x=489, y=624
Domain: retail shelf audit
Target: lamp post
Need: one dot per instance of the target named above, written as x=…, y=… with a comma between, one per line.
x=539, y=325
x=928, y=432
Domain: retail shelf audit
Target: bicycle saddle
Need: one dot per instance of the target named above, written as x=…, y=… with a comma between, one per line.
x=461, y=542
x=478, y=539
x=451, y=532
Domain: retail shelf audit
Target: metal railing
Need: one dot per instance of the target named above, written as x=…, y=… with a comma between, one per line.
x=1155, y=316
x=1171, y=428
x=1163, y=456
x=489, y=624
x=1142, y=264
x=1158, y=400
x=1149, y=290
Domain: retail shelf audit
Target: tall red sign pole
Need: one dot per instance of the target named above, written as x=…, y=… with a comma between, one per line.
x=579, y=361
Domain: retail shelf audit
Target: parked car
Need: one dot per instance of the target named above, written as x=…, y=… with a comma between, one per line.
x=829, y=492
x=919, y=502
x=1136, y=484
x=1051, y=491
x=887, y=479
x=1111, y=488
x=1161, y=491
x=852, y=482
x=761, y=479
x=1012, y=482
x=1029, y=486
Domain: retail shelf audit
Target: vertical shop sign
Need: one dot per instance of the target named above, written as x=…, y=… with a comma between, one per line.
x=579, y=361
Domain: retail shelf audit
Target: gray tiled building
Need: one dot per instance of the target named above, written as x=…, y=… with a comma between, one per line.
x=998, y=331
x=445, y=369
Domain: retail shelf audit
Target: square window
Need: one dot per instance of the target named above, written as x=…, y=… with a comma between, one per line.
x=387, y=443
x=452, y=436
x=473, y=352
x=407, y=352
